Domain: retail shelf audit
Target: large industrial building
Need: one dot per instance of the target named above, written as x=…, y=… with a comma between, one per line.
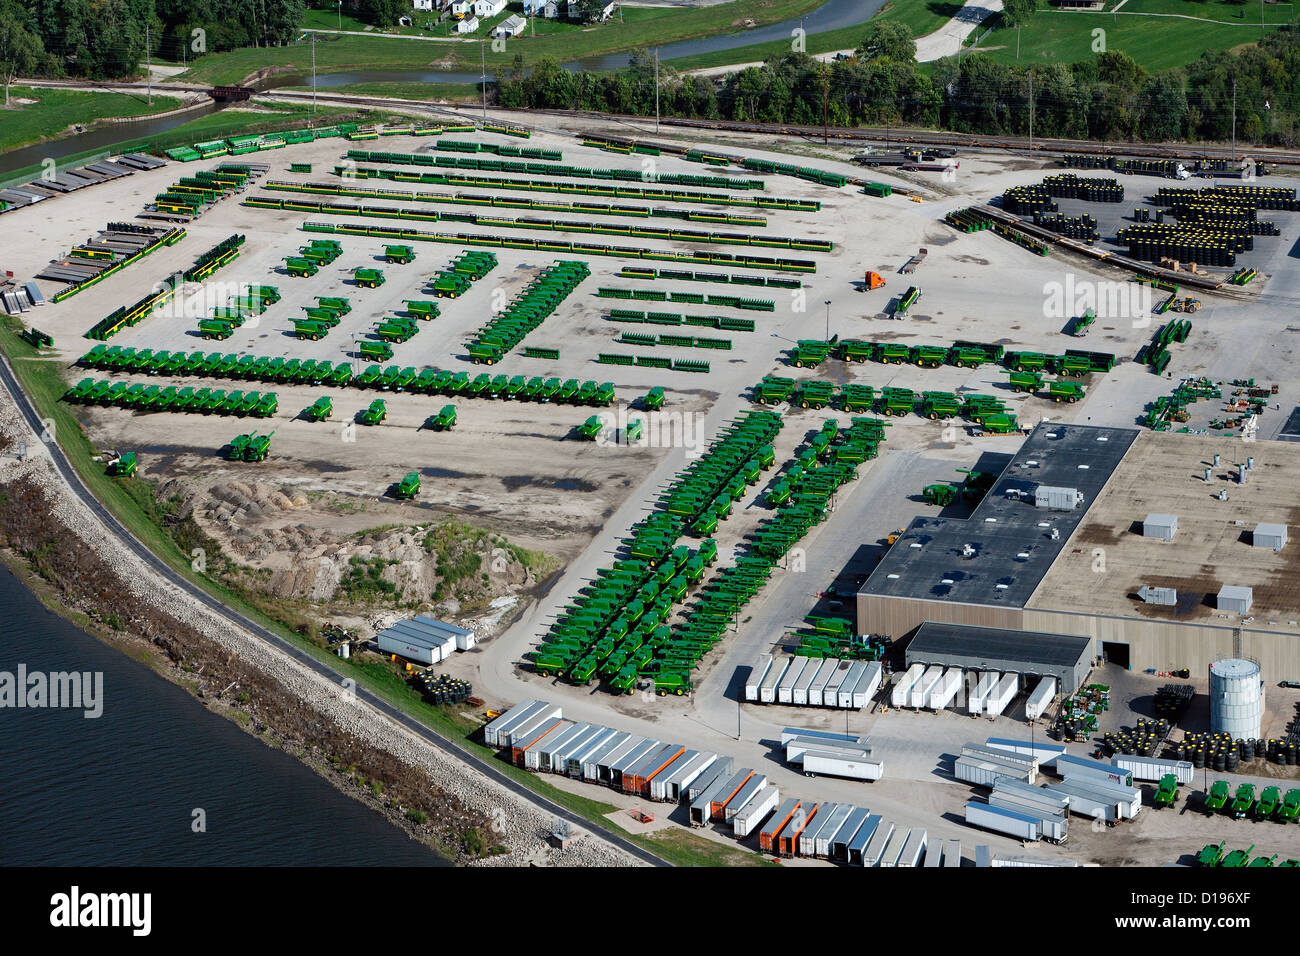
x=1075, y=540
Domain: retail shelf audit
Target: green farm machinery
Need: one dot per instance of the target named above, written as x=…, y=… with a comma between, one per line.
x=445, y=420
x=1080, y=323
x=368, y=278
x=590, y=429
x=892, y=353
x=854, y=350
x=123, y=466
x=1210, y=855
x=300, y=268
x=906, y=301
x=998, y=425
x=399, y=255
x=1166, y=791
x=374, y=413
x=927, y=356
x=375, y=351
x=311, y=329
x=396, y=329
x=813, y=394
x=1028, y=361
x=1217, y=798
x=1237, y=859
x=1076, y=366
x=936, y=405
x=1243, y=801
x=448, y=285
x=216, y=328
x=1289, y=809
x=897, y=401
x=773, y=390
x=941, y=494
x=249, y=447
x=422, y=309
x=1025, y=381
x=319, y=410
x=810, y=353
x=408, y=487
x=1065, y=392
x=857, y=398
x=653, y=400
x=964, y=356
x=1270, y=799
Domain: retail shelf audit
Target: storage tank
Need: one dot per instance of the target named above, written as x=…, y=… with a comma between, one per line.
x=1236, y=698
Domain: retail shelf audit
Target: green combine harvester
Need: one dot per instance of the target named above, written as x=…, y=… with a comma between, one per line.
x=399, y=255
x=444, y=420
x=810, y=353
x=1080, y=323
x=368, y=278
x=1025, y=381
x=1166, y=791
x=1217, y=798
x=941, y=494
x=300, y=268
x=591, y=428
x=1065, y=392
x=1290, y=807
x=1243, y=801
x=1237, y=858
x=123, y=466
x=375, y=413
x=654, y=399
x=319, y=410
x=408, y=487
x=1210, y=855
x=250, y=447
x=375, y=351
x=1269, y=801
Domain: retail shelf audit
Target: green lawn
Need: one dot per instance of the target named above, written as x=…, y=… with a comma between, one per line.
x=1157, y=43
x=454, y=92
x=395, y=53
x=922, y=16
x=1221, y=10
x=56, y=110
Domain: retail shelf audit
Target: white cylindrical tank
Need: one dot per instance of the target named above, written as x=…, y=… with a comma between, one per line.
x=1236, y=698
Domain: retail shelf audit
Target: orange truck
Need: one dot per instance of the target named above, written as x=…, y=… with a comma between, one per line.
x=787, y=843
x=768, y=836
x=873, y=281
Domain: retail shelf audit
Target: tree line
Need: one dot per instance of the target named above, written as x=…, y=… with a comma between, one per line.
x=1109, y=96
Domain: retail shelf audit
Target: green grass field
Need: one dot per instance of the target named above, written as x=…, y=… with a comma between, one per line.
x=1157, y=43
x=396, y=53
x=56, y=110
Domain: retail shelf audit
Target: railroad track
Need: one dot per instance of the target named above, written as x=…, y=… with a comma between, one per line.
x=119, y=531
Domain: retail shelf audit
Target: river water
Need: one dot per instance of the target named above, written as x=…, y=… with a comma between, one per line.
x=123, y=789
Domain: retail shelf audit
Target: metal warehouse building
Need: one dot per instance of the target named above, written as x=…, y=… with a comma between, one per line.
x=1075, y=565
x=1027, y=653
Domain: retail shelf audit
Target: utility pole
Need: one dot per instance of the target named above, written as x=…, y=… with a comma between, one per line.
x=313, y=75
x=826, y=104
x=1031, y=112
x=148, y=71
x=1234, y=119
x=656, y=87
x=482, y=57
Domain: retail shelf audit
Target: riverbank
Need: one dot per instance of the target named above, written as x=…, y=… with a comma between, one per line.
x=59, y=545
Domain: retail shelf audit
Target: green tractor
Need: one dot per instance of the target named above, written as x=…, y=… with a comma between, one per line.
x=1166, y=791
x=374, y=414
x=123, y=466
x=941, y=494
x=408, y=487
x=1217, y=798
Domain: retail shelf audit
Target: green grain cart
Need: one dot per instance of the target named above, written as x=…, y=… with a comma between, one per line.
x=408, y=487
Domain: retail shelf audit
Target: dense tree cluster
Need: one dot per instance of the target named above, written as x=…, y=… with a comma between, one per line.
x=1107, y=97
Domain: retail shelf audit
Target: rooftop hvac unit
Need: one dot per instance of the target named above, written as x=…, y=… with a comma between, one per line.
x=1235, y=599
x=1162, y=596
x=1057, y=499
x=1160, y=526
x=1269, y=536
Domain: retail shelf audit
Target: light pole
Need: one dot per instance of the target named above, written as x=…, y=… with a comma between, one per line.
x=482, y=56
x=828, y=320
x=340, y=14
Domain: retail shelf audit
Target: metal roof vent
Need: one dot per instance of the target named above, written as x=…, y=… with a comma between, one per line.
x=1001, y=587
x=1044, y=524
x=946, y=581
x=915, y=544
x=990, y=520
x=1103, y=438
x=1083, y=467
x=1023, y=555
x=1053, y=434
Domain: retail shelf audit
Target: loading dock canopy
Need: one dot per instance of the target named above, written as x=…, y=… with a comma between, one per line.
x=1065, y=657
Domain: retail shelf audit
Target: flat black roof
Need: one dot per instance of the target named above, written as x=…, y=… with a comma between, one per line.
x=1011, y=538
x=999, y=644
